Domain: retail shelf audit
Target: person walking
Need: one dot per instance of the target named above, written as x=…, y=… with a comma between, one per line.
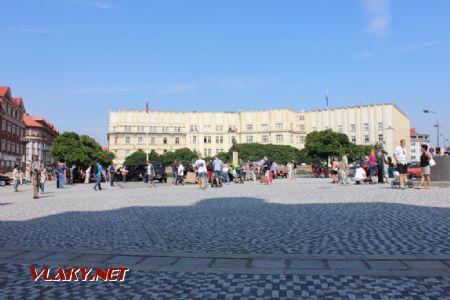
x=386, y=166
x=425, y=158
x=36, y=170
x=21, y=176
x=400, y=156
x=43, y=179
x=16, y=177
x=124, y=173
x=98, y=177
x=200, y=165
x=112, y=174
x=225, y=174
x=180, y=173
x=27, y=175
x=380, y=166
x=87, y=176
x=150, y=174
x=174, y=172
x=61, y=170
x=252, y=168
x=290, y=167
x=218, y=167
x=372, y=166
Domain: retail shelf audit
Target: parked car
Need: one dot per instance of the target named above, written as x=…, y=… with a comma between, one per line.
x=139, y=173
x=4, y=180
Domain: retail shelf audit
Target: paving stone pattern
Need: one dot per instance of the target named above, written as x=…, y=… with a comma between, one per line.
x=345, y=231
x=305, y=216
x=17, y=284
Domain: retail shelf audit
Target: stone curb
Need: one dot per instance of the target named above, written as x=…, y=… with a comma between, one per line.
x=401, y=266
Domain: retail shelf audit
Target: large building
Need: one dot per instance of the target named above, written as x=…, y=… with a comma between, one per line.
x=39, y=135
x=12, y=145
x=417, y=140
x=212, y=132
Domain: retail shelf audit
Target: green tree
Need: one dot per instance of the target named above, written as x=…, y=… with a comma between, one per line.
x=255, y=152
x=82, y=150
x=136, y=158
x=320, y=145
x=68, y=148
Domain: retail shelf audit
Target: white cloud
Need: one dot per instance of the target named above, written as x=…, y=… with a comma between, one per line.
x=424, y=45
x=176, y=89
x=379, y=14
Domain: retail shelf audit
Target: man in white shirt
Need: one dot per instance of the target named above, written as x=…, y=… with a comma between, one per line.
x=200, y=164
x=402, y=162
x=16, y=178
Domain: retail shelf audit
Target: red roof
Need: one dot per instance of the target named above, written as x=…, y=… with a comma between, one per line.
x=4, y=90
x=17, y=101
x=30, y=122
x=413, y=131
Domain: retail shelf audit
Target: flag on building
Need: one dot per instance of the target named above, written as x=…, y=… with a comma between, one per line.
x=326, y=96
x=146, y=107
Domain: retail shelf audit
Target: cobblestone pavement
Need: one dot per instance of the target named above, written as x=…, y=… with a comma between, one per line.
x=305, y=217
x=16, y=283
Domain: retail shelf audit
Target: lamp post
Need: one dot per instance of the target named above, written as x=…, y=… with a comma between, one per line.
x=445, y=140
x=427, y=111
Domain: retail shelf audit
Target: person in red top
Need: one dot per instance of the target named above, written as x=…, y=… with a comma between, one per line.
x=372, y=165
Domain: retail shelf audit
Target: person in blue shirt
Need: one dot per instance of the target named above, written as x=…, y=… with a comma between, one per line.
x=98, y=176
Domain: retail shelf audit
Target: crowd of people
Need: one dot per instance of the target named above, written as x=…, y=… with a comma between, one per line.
x=379, y=164
x=375, y=168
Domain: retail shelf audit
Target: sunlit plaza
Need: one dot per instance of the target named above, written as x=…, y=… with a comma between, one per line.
x=225, y=239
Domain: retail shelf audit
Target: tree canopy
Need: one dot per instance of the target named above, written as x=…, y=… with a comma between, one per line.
x=82, y=151
x=184, y=155
x=255, y=152
x=320, y=145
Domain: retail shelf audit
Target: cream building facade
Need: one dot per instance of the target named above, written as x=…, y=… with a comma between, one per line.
x=212, y=132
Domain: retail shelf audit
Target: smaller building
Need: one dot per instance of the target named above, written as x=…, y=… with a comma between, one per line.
x=417, y=139
x=39, y=135
x=12, y=145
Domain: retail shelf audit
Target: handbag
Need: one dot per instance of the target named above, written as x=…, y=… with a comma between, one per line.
x=432, y=162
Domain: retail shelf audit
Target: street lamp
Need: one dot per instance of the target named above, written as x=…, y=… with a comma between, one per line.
x=445, y=140
x=427, y=111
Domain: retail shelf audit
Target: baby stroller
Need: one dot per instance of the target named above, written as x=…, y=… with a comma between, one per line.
x=408, y=180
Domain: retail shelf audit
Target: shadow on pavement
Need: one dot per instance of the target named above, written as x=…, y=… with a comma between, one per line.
x=243, y=225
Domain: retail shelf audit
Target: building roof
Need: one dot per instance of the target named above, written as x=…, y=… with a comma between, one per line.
x=39, y=122
x=413, y=131
x=5, y=92
x=30, y=121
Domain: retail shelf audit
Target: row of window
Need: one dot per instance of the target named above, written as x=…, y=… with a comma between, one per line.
x=128, y=128
x=12, y=111
x=12, y=129
x=208, y=152
x=367, y=138
x=249, y=127
x=10, y=147
x=353, y=127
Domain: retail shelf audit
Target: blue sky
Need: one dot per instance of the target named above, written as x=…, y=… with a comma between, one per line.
x=74, y=60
